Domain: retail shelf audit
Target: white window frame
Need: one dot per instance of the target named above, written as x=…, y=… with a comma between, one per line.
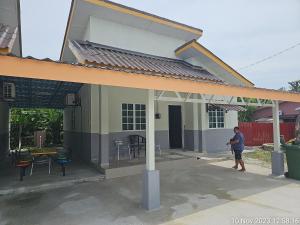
x=135, y=126
x=217, y=123
x=142, y=124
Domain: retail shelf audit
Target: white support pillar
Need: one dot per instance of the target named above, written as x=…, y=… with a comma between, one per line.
x=203, y=119
x=95, y=124
x=277, y=155
x=104, y=127
x=150, y=132
x=276, y=127
x=196, y=127
x=151, y=184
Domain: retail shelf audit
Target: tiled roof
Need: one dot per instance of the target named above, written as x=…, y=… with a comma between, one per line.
x=96, y=54
x=7, y=36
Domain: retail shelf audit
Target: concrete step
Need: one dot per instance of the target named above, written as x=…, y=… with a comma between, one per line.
x=139, y=169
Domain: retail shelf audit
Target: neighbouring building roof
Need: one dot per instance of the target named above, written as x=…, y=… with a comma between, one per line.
x=7, y=38
x=120, y=59
x=288, y=110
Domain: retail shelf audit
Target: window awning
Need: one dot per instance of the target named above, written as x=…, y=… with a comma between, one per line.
x=50, y=70
x=228, y=107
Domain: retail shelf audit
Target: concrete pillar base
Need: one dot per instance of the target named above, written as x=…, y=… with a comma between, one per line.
x=151, y=190
x=277, y=163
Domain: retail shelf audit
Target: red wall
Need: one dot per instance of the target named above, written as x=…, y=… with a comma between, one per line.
x=257, y=134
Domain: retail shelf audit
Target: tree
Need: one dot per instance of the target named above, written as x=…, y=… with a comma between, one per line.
x=25, y=121
x=246, y=116
x=295, y=86
x=21, y=118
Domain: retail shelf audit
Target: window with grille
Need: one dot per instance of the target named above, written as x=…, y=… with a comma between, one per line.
x=133, y=116
x=140, y=117
x=216, y=118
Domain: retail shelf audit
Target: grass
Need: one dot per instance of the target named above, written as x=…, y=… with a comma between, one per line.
x=259, y=154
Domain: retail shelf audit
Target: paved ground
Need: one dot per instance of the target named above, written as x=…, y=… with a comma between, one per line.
x=196, y=192
x=40, y=179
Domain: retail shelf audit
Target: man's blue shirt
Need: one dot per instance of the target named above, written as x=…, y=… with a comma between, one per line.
x=240, y=145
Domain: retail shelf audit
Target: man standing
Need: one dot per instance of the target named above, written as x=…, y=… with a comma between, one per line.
x=237, y=144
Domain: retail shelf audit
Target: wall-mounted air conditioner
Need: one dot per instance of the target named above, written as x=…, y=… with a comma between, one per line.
x=72, y=100
x=9, y=91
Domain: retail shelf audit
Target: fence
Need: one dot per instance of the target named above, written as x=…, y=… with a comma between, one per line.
x=257, y=134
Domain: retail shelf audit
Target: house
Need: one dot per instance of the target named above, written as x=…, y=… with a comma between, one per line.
x=122, y=72
x=106, y=34
x=287, y=113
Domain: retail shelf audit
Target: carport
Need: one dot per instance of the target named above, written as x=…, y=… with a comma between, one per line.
x=31, y=93
x=61, y=74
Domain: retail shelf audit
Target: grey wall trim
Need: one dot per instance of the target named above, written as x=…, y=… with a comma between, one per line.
x=121, y=136
x=80, y=145
x=192, y=140
x=100, y=149
x=214, y=140
x=95, y=148
x=162, y=139
x=105, y=150
x=3, y=146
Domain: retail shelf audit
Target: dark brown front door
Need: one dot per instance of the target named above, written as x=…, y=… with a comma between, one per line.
x=175, y=126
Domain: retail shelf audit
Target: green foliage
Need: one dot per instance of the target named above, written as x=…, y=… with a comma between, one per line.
x=295, y=86
x=25, y=121
x=246, y=116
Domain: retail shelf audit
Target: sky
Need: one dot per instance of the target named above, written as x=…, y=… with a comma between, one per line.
x=240, y=32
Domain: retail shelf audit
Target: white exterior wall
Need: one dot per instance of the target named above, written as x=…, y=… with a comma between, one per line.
x=102, y=122
x=130, y=38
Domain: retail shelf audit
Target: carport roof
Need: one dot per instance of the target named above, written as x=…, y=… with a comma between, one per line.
x=36, y=93
x=91, y=74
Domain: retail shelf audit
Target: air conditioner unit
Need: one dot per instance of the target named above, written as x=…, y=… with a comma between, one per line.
x=72, y=100
x=9, y=91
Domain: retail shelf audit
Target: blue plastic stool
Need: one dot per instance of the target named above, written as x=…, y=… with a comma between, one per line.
x=63, y=163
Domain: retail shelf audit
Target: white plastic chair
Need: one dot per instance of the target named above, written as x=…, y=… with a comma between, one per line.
x=122, y=145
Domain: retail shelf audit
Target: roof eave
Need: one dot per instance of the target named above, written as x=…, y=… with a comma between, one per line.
x=200, y=48
x=67, y=29
x=145, y=15
x=19, y=27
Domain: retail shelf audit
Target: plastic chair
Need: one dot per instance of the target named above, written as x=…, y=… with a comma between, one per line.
x=41, y=160
x=137, y=142
x=23, y=165
x=122, y=145
x=63, y=159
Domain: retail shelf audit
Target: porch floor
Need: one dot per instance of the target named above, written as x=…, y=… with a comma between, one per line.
x=166, y=155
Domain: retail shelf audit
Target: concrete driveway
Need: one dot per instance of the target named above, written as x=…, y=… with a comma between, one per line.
x=194, y=192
